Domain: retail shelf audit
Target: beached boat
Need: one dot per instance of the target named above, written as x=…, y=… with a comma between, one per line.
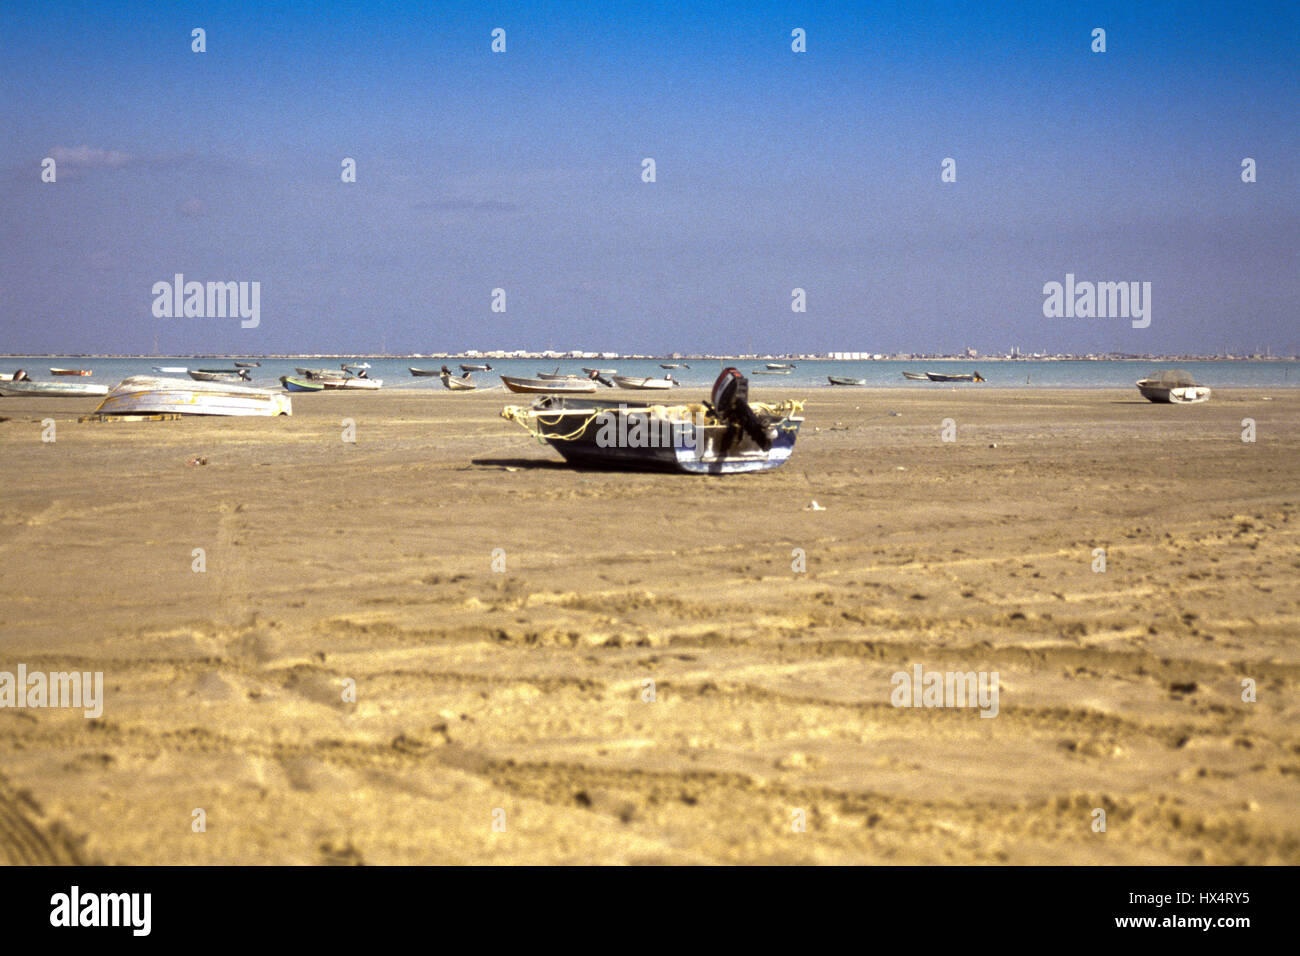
x=727, y=436
x=13, y=389
x=941, y=377
x=215, y=375
x=423, y=372
x=841, y=380
x=367, y=384
x=916, y=376
x=314, y=373
x=1174, y=387
x=557, y=376
x=150, y=395
x=173, y=369
x=623, y=381
x=292, y=384
x=70, y=371
x=780, y=365
x=461, y=384
x=476, y=368
x=543, y=385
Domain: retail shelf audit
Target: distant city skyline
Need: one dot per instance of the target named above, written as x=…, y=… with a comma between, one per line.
x=517, y=178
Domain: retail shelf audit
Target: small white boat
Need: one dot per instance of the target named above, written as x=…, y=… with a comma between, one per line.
x=211, y=375
x=780, y=365
x=314, y=373
x=51, y=389
x=544, y=385
x=1174, y=387
x=462, y=384
x=71, y=371
x=623, y=381
x=351, y=383
x=150, y=395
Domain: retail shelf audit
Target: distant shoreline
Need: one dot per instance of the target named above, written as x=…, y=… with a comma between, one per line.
x=537, y=356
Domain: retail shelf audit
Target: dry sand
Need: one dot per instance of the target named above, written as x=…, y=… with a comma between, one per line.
x=517, y=697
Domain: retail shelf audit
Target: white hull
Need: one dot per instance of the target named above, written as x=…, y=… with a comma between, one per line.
x=369, y=384
x=52, y=389
x=146, y=395
x=643, y=383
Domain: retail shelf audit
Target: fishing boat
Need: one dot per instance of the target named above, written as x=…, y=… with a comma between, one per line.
x=12, y=389
x=462, y=384
x=940, y=377
x=779, y=365
x=557, y=376
x=916, y=376
x=173, y=369
x=70, y=371
x=314, y=373
x=292, y=384
x=600, y=371
x=727, y=436
x=542, y=385
x=248, y=365
x=841, y=380
x=770, y=371
x=623, y=381
x=150, y=395
x=673, y=365
x=218, y=375
x=476, y=368
x=367, y=384
x=423, y=372
x=1174, y=387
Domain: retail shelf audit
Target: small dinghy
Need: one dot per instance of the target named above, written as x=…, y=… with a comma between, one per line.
x=770, y=371
x=476, y=368
x=725, y=436
x=292, y=384
x=623, y=381
x=1174, y=387
x=248, y=365
x=149, y=395
x=218, y=375
x=840, y=380
x=775, y=366
x=916, y=376
x=15, y=389
x=423, y=372
x=544, y=385
x=461, y=384
x=70, y=371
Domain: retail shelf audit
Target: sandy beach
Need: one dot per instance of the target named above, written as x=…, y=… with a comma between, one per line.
x=651, y=679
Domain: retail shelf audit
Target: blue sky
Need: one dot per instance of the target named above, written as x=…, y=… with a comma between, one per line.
x=775, y=170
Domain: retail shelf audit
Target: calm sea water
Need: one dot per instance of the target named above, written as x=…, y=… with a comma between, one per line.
x=807, y=374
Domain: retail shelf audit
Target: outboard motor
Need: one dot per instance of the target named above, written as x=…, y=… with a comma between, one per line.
x=731, y=407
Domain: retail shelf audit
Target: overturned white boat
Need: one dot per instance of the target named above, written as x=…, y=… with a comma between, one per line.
x=149, y=395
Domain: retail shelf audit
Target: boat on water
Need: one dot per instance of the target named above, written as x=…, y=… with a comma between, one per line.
x=671, y=365
x=940, y=377
x=22, y=387
x=916, y=376
x=357, y=365
x=476, y=368
x=366, y=384
x=218, y=375
x=727, y=436
x=543, y=385
x=600, y=371
x=173, y=369
x=780, y=365
x=423, y=372
x=292, y=384
x=1174, y=387
x=248, y=365
x=624, y=381
x=461, y=384
x=841, y=380
x=770, y=371
x=151, y=395
x=70, y=371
